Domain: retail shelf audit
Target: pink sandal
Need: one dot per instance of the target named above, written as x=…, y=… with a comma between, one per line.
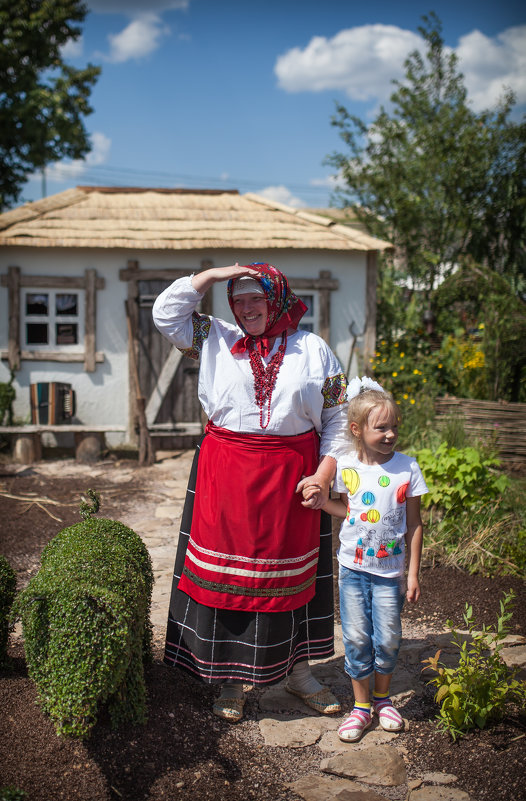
x=352, y=729
x=389, y=717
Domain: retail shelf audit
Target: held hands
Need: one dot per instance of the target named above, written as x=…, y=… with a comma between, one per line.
x=315, y=494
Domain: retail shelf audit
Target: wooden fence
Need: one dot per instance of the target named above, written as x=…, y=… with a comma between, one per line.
x=498, y=420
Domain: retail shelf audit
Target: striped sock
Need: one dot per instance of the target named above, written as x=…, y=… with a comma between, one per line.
x=364, y=707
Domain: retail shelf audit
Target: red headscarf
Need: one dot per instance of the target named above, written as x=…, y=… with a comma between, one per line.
x=285, y=309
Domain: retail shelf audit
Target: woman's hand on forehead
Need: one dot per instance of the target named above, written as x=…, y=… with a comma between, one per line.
x=235, y=271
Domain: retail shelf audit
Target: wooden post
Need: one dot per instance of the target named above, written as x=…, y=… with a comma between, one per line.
x=369, y=340
x=90, y=321
x=14, y=317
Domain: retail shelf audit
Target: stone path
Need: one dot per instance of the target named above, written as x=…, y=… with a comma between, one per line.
x=346, y=772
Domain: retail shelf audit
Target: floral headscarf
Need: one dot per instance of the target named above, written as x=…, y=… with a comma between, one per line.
x=285, y=309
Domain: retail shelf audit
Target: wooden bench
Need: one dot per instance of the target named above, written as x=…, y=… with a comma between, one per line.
x=89, y=440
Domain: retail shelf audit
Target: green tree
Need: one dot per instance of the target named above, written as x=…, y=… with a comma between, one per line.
x=436, y=178
x=42, y=99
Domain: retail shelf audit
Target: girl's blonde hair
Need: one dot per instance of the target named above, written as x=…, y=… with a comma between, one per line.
x=361, y=406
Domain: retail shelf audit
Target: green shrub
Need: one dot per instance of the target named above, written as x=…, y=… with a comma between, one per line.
x=7, y=397
x=7, y=596
x=479, y=689
x=459, y=478
x=85, y=617
x=11, y=793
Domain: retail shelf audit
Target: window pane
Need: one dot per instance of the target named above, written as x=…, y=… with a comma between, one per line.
x=66, y=304
x=37, y=334
x=37, y=303
x=67, y=333
x=309, y=303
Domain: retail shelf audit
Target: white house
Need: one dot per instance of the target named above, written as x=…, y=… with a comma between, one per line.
x=71, y=266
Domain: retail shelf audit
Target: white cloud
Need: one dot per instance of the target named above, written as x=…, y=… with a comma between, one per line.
x=138, y=39
x=362, y=61
x=133, y=7
x=281, y=195
x=491, y=64
x=72, y=49
x=64, y=171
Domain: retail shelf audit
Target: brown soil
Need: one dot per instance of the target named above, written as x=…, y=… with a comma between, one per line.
x=183, y=752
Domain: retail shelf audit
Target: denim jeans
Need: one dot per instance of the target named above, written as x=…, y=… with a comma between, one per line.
x=370, y=608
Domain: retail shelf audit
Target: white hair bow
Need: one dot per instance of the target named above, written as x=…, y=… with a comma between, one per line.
x=357, y=385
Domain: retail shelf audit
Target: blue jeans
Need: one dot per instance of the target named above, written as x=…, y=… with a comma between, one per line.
x=370, y=608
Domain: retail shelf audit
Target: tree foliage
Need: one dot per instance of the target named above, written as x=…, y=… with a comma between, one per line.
x=42, y=99
x=438, y=179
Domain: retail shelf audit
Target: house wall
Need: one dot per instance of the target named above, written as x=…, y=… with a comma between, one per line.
x=102, y=396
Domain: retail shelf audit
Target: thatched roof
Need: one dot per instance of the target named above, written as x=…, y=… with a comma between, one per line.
x=174, y=219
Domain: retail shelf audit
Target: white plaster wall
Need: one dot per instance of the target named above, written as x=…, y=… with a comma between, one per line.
x=102, y=396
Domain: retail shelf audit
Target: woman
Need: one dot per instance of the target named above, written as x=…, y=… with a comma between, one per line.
x=252, y=594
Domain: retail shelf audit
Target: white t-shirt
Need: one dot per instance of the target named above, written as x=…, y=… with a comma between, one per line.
x=310, y=386
x=372, y=536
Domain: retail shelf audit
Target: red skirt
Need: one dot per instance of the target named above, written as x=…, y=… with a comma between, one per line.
x=253, y=547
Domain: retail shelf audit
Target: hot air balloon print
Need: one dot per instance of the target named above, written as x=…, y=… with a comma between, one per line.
x=373, y=516
x=384, y=481
x=351, y=479
x=368, y=498
x=401, y=492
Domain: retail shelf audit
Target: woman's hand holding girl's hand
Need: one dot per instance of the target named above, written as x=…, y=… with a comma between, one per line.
x=315, y=494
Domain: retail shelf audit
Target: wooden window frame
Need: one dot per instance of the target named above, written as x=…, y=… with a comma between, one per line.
x=89, y=282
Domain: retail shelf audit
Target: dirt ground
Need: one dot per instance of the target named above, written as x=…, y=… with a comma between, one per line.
x=184, y=752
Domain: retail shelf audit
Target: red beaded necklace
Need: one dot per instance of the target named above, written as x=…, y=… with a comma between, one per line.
x=265, y=375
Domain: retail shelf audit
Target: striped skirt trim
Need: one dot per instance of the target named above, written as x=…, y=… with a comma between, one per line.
x=217, y=645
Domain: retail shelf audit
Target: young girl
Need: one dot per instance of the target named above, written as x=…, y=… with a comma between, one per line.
x=379, y=502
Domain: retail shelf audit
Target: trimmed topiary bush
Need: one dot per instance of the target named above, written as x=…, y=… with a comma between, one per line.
x=86, y=624
x=7, y=596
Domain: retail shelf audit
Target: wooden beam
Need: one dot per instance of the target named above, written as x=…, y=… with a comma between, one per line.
x=136, y=274
x=90, y=311
x=52, y=356
x=13, y=283
x=369, y=339
x=54, y=281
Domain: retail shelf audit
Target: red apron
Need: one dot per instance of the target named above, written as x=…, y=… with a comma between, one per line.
x=253, y=546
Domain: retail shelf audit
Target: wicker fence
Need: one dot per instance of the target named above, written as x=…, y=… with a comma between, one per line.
x=505, y=422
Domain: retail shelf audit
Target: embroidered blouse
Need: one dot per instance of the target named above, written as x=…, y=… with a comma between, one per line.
x=310, y=390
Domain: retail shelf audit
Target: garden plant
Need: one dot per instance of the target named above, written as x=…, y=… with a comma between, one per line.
x=478, y=690
x=85, y=618
x=7, y=596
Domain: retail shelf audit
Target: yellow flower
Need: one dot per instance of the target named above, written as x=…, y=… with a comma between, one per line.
x=406, y=396
x=396, y=344
x=416, y=372
x=424, y=380
x=383, y=342
x=439, y=366
x=394, y=374
x=412, y=400
x=402, y=355
x=481, y=326
x=384, y=360
x=377, y=353
x=401, y=367
x=371, y=360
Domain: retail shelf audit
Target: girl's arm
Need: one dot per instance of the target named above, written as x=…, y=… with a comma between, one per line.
x=337, y=507
x=413, y=540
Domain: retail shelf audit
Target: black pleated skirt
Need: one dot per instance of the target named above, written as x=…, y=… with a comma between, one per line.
x=261, y=648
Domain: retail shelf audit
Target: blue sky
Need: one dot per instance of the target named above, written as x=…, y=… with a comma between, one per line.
x=238, y=94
